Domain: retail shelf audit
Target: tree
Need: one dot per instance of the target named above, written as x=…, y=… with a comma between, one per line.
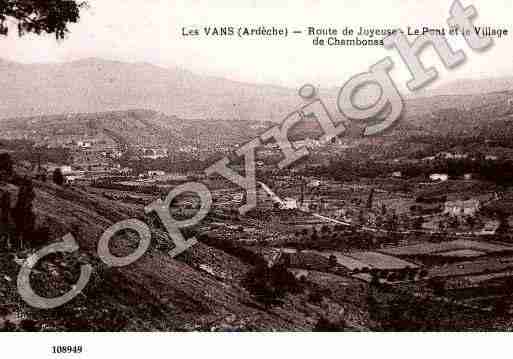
x=24, y=217
x=391, y=277
x=374, y=279
x=333, y=261
x=453, y=222
x=438, y=286
x=383, y=210
x=392, y=223
x=5, y=208
x=324, y=325
x=471, y=221
x=423, y=273
x=40, y=16
x=270, y=285
x=501, y=307
x=6, y=164
x=58, y=177
x=411, y=273
x=361, y=218
x=5, y=223
x=418, y=223
x=503, y=224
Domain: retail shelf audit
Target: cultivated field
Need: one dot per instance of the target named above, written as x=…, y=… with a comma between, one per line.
x=343, y=260
x=460, y=244
x=489, y=265
x=382, y=261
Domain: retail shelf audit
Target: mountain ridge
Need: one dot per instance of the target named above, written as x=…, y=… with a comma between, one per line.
x=94, y=85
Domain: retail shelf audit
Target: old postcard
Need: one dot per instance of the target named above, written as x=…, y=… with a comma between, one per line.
x=255, y=166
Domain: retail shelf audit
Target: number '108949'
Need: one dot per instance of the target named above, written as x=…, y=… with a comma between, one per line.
x=67, y=349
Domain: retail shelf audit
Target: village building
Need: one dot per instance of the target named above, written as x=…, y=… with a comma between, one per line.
x=289, y=203
x=154, y=153
x=439, y=177
x=51, y=167
x=490, y=227
x=308, y=143
x=156, y=173
x=90, y=160
x=462, y=208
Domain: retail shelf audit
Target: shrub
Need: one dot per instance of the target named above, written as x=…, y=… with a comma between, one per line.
x=317, y=295
x=24, y=217
x=6, y=166
x=269, y=285
x=324, y=325
x=58, y=177
x=5, y=207
x=333, y=261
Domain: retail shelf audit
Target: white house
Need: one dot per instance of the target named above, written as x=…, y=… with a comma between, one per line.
x=314, y=184
x=462, y=208
x=66, y=170
x=154, y=153
x=439, y=177
x=290, y=203
x=156, y=173
x=490, y=227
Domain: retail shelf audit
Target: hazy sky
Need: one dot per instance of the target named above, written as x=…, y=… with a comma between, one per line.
x=150, y=31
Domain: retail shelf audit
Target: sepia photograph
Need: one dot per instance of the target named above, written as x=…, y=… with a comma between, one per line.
x=255, y=166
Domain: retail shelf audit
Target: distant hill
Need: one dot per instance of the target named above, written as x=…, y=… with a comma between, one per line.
x=474, y=86
x=95, y=85
x=134, y=128
x=459, y=115
x=198, y=108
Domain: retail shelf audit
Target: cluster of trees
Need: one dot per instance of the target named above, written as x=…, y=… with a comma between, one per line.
x=176, y=162
x=58, y=177
x=6, y=167
x=18, y=224
x=324, y=325
x=499, y=171
x=404, y=312
x=24, y=150
x=40, y=16
x=7, y=171
x=336, y=239
x=396, y=275
x=269, y=285
x=349, y=169
x=24, y=217
x=344, y=237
